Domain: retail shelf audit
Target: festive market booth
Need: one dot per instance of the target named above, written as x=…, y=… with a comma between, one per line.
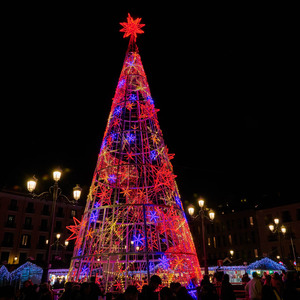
x=4, y=276
x=265, y=265
x=58, y=276
x=25, y=272
x=235, y=272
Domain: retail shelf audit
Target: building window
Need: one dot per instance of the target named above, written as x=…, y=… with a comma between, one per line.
x=46, y=211
x=215, y=242
x=28, y=223
x=230, y=239
x=44, y=225
x=8, y=239
x=255, y=253
x=11, y=221
x=30, y=208
x=208, y=241
x=60, y=212
x=13, y=205
x=25, y=240
x=286, y=216
x=251, y=221
x=4, y=257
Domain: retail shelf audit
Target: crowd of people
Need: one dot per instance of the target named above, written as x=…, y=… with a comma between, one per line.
x=276, y=287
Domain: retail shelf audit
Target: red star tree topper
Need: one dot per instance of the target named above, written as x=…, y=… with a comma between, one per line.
x=132, y=27
x=134, y=225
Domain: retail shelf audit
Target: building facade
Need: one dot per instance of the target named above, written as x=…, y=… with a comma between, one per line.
x=25, y=229
x=247, y=233
x=276, y=244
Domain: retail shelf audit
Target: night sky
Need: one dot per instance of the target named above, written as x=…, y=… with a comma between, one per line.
x=218, y=74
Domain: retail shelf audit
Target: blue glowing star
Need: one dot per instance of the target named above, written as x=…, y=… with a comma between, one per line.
x=112, y=178
x=130, y=138
x=153, y=216
x=164, y=262
x=117, y=111
x=133, y=97
x=137, y=240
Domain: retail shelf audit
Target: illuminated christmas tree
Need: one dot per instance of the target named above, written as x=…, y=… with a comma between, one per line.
x=134, y=224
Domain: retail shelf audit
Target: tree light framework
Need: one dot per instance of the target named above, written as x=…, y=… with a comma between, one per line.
x=134, y=224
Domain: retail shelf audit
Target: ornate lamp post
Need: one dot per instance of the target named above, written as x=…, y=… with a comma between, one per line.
x=276, y=228
x=54, y=193
x=202, y=215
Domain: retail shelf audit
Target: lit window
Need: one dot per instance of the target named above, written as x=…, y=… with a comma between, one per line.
x=255, y=252
x=208, y=241
x=251, y=221
x=24, y=239
x=230, y=239
x=215, y=242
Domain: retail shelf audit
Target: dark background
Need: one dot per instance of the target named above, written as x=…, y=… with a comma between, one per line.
x=221, y=75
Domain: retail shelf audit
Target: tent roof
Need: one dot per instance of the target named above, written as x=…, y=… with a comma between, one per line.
x=266, y=264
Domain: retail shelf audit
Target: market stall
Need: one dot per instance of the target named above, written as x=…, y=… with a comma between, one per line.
x=265, y=265
x=25, y=272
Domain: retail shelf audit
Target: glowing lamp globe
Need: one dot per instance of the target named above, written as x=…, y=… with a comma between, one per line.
x=271, y=227
x=211, y=214
x=31, y=185
x=191, y=210
x=77, y=192
x=201, y=202
x=56, y=175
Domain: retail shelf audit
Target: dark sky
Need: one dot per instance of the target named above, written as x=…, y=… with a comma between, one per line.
x=218, y=74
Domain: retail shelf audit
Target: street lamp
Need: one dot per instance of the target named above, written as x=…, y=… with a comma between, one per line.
x=201, y=214
x=276, y=228
x=54, y=193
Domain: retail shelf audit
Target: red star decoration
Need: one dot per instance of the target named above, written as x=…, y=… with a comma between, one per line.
x=132, y=27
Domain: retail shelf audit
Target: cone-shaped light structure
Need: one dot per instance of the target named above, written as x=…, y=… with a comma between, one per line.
x=134, y=225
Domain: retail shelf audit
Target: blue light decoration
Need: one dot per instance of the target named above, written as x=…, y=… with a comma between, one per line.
x=153, y=155
x=137, y=240
x=132, y=97
x=153, y=216
x=164, y=262
x=112, y=178
x=130, y=138
x=192, y=290
x=178, y=201
x=94, y=216
x=114, y=136
x=121, y=83
x=150, y=99
x=84, y=271
x=266, y=264
x=117, y=111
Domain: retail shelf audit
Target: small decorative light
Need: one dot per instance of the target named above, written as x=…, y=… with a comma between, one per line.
x=201, y=202
x=283, y=229
x=211, y=214
x=77, y=192
x=271, y=227
x=56, y=175
x=66, y=243
x=231, y=252
x=276, y=221
x=31, y=184
x=58, y=236
x=47, y=242
x=191, y=210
